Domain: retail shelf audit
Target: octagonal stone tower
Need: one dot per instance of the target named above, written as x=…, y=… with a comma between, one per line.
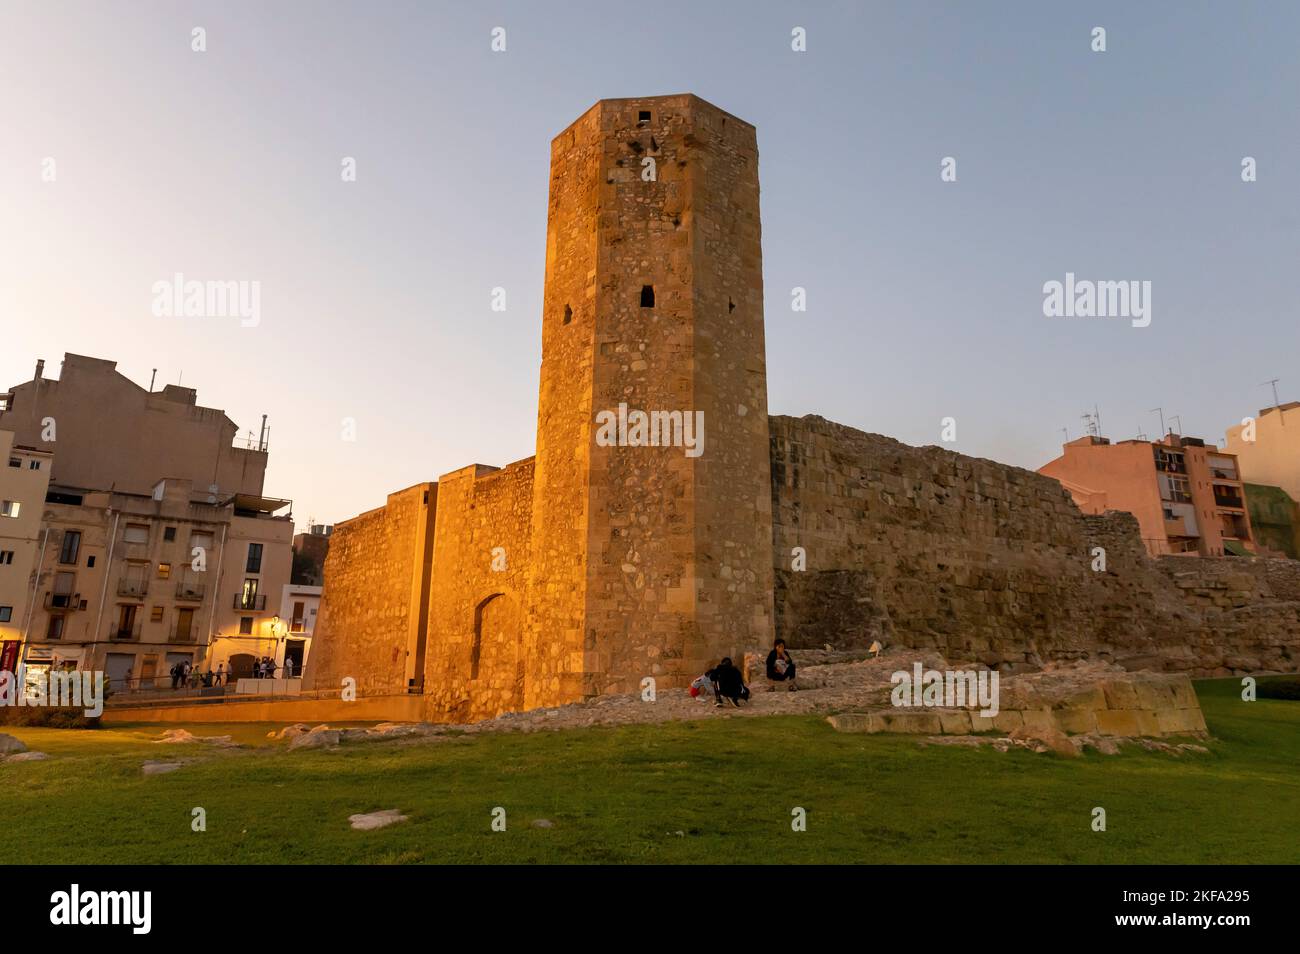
x=651, y=551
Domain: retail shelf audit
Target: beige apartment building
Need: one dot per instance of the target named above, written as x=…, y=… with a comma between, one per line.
x=24, y=479
x=1188, y=498
x=136, y=573
x=1273, y=457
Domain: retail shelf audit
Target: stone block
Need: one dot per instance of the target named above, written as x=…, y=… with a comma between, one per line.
x=1153, y=694
x=911, y=721
x=1120, y=694
x=1184, y=693
x=955, y=721
x=1039, y=719
x=1147, y=723
x=1117, y=722
x=1077, y=721
x=1008, y=720
x=1081, y=697
x=850, y=722
x=1180, y=721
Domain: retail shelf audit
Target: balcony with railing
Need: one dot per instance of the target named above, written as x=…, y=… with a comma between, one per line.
x=120, y=633
x=1233, y=501
x=181, y=633
x=250, y=603
x=133, y=588
x=63, y=601
x=1170, y=464
x=191, y=592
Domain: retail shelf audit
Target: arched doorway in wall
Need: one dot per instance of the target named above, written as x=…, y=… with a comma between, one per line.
x=496, y=661
x=241, y=666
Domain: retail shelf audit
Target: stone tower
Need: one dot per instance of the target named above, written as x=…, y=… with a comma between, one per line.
x=650, y=560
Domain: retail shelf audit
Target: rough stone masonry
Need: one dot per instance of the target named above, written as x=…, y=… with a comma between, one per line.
x=585, y=569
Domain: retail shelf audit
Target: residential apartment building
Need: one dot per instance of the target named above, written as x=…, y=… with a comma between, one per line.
x=1188, y=498
x=24, y=479
x=135, y=574
x=299, y=607
x=1273, y=457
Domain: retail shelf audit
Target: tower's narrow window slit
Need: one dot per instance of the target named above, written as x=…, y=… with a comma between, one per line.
x=647, y=296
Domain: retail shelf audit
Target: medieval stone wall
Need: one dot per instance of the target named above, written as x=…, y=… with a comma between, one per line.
x=371, y=621
x=475, y=663
x=925, y=548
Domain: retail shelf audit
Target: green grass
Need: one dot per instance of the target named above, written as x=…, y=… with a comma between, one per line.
x=623, y=794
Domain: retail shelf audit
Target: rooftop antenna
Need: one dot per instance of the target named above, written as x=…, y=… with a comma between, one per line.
x=1175, y=417
x=1096, y=413
x=1162, y=419
x=1276, y=403
x=1090, y=424
x=152, y=378
x=1141, y=436
x=1066, y=432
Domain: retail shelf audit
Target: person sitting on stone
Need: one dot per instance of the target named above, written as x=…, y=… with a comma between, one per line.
x=780, y=667
x=728, y=683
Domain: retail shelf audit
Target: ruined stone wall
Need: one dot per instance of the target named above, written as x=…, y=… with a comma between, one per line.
x=371, y=622
x=475, y=662
x=925, y=548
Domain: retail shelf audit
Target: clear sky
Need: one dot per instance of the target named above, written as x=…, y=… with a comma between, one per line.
x=924, y=298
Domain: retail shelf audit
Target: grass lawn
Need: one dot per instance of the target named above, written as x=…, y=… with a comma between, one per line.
x=721, y=789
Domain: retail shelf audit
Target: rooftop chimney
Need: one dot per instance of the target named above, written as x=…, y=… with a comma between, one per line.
x=40, y=367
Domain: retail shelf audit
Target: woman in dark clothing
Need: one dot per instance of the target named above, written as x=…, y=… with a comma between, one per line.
x=728, y=683
x=780, y=667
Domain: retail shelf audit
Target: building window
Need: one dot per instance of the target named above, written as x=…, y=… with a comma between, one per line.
x=10, y=508
x=55, y=630
x=62, y=595
x=254, y=558
x=164, y=571
x=6, y=557
x=156, y=614
x=643, y=117
x=15, y=462
x=90, y=563
x=245, y=625
x=6, y=614
x=71, y=546
x=136, y=533
x=647, y=296
x=248, y=598
x=169, y=534
x=33, y=465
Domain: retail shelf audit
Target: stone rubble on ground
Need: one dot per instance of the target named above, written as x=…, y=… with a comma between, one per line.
x=10, y=745
x=369, y=821
x=178, y=736
x=1103, y=744
x=26, y=757
x=1047, y=710
x=159, y=768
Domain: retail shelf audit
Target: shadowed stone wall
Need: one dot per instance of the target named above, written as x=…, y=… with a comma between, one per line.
x=476, y=664
x=372, y=624
x=924, y=548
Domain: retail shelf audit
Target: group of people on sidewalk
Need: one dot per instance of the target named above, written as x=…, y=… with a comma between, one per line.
x=186, y=676
x=728, y=682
